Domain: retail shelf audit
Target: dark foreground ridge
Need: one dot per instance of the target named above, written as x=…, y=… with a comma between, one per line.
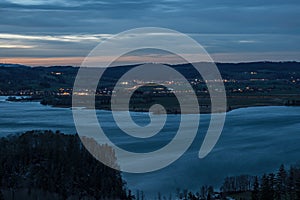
x=47, y=165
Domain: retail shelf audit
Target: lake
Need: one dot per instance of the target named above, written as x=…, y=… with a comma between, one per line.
x=254, y=140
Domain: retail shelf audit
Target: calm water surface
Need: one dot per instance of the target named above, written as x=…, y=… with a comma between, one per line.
x=254, y=141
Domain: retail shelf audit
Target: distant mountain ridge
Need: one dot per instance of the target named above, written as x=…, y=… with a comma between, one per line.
x=255, y=64
x=12, y=65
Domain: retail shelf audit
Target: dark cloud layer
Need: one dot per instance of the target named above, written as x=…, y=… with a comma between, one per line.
x=271, y=16
x=223, y=26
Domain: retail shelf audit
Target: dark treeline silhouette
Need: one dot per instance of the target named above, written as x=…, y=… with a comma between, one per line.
x=237, y=184
x=49, y=165
x=283, y=185
x=205, y=193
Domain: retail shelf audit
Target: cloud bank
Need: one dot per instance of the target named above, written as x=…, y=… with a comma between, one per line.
x=241, y=30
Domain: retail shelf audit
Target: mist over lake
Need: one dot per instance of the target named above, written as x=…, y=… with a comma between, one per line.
x=254, y=140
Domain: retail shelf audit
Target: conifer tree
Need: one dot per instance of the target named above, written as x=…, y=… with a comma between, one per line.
x=255, y=192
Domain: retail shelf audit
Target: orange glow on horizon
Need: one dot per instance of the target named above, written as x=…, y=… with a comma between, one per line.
x=74, y=61
x=134, y=59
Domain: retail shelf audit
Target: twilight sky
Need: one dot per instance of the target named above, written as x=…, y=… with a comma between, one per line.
x=62, y=32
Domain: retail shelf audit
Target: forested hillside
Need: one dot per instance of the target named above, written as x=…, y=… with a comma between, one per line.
x=47, y=165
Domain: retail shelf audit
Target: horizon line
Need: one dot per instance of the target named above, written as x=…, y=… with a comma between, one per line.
x=173, y=64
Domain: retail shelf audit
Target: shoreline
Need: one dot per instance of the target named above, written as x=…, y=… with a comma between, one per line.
x=230, y=106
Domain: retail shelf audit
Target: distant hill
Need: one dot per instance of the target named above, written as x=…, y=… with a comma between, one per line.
x=12, y=65
x=15, y=78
